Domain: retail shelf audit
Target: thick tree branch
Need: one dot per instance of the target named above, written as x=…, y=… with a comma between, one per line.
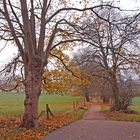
x=42, y=29
x=80, y=10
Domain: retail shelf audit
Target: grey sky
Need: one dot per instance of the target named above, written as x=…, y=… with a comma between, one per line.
x=130, y=4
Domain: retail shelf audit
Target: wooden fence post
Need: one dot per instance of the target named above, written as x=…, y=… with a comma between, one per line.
x=48, y=111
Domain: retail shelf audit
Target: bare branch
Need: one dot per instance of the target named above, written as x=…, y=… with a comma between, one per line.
x=6, y=15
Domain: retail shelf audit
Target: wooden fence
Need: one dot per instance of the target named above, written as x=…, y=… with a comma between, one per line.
x=79, y=104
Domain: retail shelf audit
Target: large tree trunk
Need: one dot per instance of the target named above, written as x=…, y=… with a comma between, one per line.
x=33, y=78
x=115, y=96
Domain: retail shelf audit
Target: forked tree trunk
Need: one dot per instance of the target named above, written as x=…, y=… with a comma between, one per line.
x=33, y=77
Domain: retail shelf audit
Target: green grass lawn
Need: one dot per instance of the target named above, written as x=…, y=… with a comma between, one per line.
x=120, y=116
x=12, y=103
x=135, y=104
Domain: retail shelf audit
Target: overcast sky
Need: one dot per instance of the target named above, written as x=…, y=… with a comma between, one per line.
x=130, y=4
x=10, y=51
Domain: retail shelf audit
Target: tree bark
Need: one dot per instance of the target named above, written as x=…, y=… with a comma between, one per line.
x=115, y=90
x=33, y=78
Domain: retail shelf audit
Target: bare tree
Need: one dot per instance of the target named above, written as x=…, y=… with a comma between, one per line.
x=113, y=45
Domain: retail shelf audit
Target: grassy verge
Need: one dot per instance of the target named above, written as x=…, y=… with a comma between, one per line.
x=11, y=109
x=119, y=116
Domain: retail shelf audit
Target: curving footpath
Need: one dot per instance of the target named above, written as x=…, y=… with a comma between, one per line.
x=95, y=126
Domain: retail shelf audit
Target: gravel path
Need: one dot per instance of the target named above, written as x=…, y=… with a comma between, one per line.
x=95, y=126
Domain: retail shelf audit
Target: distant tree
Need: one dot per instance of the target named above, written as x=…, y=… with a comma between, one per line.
x=94, y=74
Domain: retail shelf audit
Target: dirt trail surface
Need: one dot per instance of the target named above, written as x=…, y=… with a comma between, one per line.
x=95, y=126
